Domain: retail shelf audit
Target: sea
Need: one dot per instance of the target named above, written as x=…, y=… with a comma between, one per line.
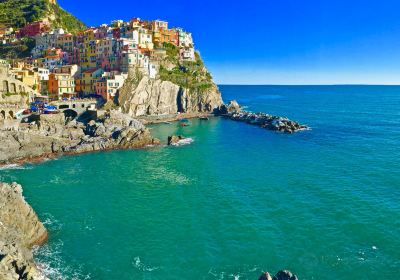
x=237, y=200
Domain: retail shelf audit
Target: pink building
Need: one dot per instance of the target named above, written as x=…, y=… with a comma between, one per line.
x=33, y=29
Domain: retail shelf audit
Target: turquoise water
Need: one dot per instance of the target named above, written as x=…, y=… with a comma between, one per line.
x=238, y=200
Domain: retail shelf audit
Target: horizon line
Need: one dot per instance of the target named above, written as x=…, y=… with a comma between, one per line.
x=222, y=84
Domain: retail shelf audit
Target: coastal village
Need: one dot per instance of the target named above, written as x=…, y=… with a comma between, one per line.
x=93, y=63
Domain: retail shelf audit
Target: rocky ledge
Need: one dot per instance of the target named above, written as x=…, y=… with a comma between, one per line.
x=50, y=136
x=276, y=123
x=20, y=230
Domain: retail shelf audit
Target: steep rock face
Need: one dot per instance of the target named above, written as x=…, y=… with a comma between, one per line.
x=20, y=229
x=157, y=97
x=150, y=97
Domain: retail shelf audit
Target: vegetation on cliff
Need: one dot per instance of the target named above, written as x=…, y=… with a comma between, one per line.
x=17, y=14
x=20, y=49
x=65, y=20
x=191, y=75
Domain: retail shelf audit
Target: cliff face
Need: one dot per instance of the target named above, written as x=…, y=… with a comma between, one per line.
x=20, y=229
x=158, y=97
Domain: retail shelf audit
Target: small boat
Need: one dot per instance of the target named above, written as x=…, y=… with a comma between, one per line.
x=49, y=109
x=26, y=112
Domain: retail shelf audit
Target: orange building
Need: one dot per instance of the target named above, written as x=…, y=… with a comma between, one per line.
x=169, y=36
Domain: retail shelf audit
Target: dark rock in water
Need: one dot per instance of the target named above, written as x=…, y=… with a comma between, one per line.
x=281, y=275
x=285, y=275
x=173, y=140
x=276, y=123
x=231, y=107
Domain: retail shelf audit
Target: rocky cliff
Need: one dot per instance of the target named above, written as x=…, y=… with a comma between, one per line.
x=180, y=87
x=158, y=97
x=50, y=136
x=20, y=229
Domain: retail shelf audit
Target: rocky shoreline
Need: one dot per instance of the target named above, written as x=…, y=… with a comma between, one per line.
x=234, y=112
x=50, y=136
x=20, y=230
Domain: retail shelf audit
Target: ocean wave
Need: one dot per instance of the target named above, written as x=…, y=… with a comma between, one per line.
x=228, y=272
x=50, y=222
x=14, y=167
x=137, y=263
x=185, y=141
x=51, y=264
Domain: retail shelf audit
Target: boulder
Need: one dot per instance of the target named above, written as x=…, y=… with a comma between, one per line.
x=281, y=275
x=172, y=140
x=285, y=275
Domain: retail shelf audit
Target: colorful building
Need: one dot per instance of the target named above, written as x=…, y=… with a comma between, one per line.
x=28, y=77
x=169, y=36
x=66, y=42
x=61, y=86
x=109, y=84
x=89, y=79
x=34, y=28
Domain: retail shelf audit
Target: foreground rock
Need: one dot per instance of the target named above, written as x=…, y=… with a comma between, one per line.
x=50, y=136
x=20, y=229
x=281, y=275
x=276, y=123
x=174, y=140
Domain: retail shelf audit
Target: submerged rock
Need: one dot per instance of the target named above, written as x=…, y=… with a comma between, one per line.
x=20, y=229
x=173, y=140
x=281, y=275
x=285, y=275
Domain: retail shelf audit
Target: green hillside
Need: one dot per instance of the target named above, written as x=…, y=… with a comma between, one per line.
x=17, y=13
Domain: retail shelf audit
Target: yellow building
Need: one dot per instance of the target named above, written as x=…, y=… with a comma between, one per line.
x=28, y=77
x=66, y=42
x=89, y=80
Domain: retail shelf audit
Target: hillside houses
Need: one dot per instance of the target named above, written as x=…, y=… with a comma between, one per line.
x=97, y=60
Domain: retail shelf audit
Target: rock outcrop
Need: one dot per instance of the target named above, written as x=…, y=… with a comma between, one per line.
x=276, y=123
x=51, y=136
x=281, y=275
x=20, y=229
x=157, y=97
x=174, y=140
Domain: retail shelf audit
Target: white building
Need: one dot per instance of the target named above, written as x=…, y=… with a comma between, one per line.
x=145, y=38
x=187, y=54
x=152, y=70
x=133, y=58
x=114, y=81
x=133, y=35
x=159, y=24
x=43, y=73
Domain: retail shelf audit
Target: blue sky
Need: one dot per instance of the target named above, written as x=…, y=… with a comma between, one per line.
x=276, y=41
